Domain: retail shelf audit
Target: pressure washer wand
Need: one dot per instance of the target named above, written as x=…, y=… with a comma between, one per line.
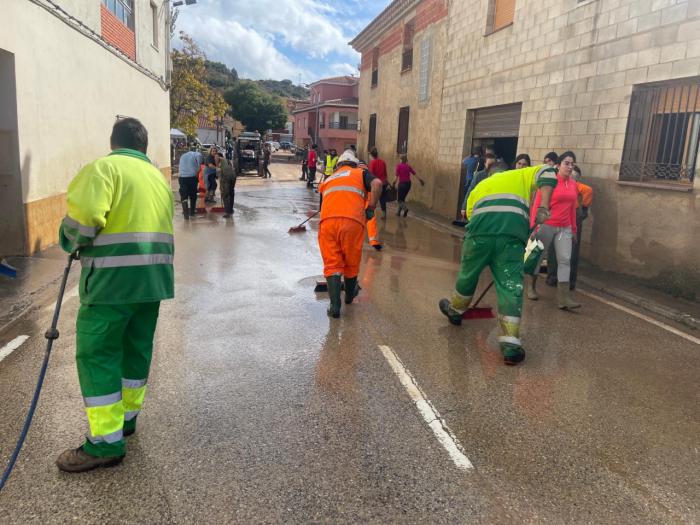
x=51, y=335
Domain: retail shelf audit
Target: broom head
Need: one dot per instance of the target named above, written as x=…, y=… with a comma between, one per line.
x=297, y=229
x=481, y=312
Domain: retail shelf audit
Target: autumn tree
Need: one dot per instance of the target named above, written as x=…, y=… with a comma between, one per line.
x=190, y=95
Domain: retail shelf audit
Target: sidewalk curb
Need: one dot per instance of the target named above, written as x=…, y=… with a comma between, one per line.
x=645, y=304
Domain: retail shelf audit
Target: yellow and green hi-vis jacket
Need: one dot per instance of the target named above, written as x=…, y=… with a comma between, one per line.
x=120, y=219
x=500, y=205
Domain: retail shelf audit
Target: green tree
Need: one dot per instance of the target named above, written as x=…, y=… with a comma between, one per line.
x=219, y=76
x=190, y=95
x=255, y=108
x=284, y=88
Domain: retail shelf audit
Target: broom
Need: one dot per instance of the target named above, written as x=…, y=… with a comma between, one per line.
x=485, y=312
x=301, y=227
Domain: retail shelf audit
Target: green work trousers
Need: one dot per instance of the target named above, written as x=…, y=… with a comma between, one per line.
x=114, y=348
x=504, y=255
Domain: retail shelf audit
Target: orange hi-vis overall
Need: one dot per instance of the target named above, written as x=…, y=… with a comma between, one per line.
x=373, y=231
x=342, y=229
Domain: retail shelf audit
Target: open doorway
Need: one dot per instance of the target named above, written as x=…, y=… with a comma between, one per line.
x=12, y=226
x=494, y=127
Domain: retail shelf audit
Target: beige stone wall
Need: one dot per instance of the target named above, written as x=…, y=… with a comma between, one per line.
x=396, y=90
x=573, y=66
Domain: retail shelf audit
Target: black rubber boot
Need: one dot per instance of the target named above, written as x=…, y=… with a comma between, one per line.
x=453, y=315
x=352, y=289
x=334, y=288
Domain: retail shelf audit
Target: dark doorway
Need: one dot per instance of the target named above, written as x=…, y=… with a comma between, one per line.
x=12, y=226
x=496, y=127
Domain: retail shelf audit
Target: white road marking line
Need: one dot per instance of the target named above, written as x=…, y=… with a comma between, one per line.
x=643, y=317
x=431, y=416
x=70, y=294
x=12, y=346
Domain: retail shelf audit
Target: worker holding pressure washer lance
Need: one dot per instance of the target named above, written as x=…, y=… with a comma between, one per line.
x=498, y=213
x=120, y=221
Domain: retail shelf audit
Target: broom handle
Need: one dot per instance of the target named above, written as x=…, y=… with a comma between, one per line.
x=482, y=295
x=307, y=220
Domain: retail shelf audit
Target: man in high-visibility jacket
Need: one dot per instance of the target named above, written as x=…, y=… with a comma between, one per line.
x=344, y=213
x=331, y=162
x=498, y=229
x=120, y=221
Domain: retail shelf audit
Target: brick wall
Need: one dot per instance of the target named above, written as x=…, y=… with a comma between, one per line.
x=427, y=13
x=117, y=34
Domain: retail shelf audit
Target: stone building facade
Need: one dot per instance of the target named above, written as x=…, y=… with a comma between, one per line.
x=68, y=69
x=616, y=81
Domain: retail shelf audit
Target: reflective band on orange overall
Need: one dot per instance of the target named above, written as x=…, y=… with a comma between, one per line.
x=340, y=240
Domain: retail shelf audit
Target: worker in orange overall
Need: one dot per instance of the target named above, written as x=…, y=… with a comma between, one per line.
x=372, y=229
x=344, y=214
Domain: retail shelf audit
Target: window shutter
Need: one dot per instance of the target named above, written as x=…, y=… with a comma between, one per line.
x=503, y=13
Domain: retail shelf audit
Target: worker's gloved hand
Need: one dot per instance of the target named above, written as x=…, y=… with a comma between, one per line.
x=369, y=213
x=542, y=215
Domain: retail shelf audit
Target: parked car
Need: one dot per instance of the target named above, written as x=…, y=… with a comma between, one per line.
x=286, y=145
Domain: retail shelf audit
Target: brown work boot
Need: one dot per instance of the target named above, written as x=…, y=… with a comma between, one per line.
x=77, y=460
x=566, y=302
x=531, y=287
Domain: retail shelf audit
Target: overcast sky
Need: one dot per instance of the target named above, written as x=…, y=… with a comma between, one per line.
x=280, y=39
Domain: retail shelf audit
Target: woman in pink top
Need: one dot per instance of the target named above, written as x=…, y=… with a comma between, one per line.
x=560, y=229
x=403, y=176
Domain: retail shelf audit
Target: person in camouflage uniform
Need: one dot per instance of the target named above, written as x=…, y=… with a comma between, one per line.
x=228, y=185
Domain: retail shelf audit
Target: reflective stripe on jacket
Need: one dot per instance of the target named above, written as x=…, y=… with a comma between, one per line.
x=500, y=204
x=120, y=218
x=344, y=195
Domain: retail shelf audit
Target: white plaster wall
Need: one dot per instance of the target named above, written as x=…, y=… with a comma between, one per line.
x=69, y=90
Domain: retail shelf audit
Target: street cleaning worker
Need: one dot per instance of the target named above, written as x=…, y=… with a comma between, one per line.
x=372, y=228
x=344, y=213
x=331, y=162
x=120, y=220
x=498, y=229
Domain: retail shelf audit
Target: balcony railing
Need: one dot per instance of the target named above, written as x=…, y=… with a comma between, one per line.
x=342, y=125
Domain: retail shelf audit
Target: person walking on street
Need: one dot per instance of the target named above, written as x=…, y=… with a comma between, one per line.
x=585, y=201
x=304, y=162
x=377, y=167
x=210, y=175
x=311, y=160
x=344, y=214
x=267, y=153
x=187, y=179
x=120, y=221
x=498, y=213
x=227, y=178
x=560, y=229
x=403, y=176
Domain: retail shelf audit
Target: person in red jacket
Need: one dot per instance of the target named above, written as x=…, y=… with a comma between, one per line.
x=559, y=229
x=377, y=167
x=311, y=166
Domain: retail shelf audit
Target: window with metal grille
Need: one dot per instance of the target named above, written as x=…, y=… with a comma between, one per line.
x=402, y=141
x=123, y=10
x=663, y=132
x=375, y=67
x=425, y=66
x=372, y=140
x=407, y=57
x=503, y=13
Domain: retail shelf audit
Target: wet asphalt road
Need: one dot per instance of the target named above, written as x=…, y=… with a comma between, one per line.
x=262, y=410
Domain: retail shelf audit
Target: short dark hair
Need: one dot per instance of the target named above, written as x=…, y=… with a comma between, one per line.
x=566, y=154
x=374, y=153
x=129, y=133
x=489, y=155
x=314, y=146
x=476, y=150
x=523, y=156
x=552, y=155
